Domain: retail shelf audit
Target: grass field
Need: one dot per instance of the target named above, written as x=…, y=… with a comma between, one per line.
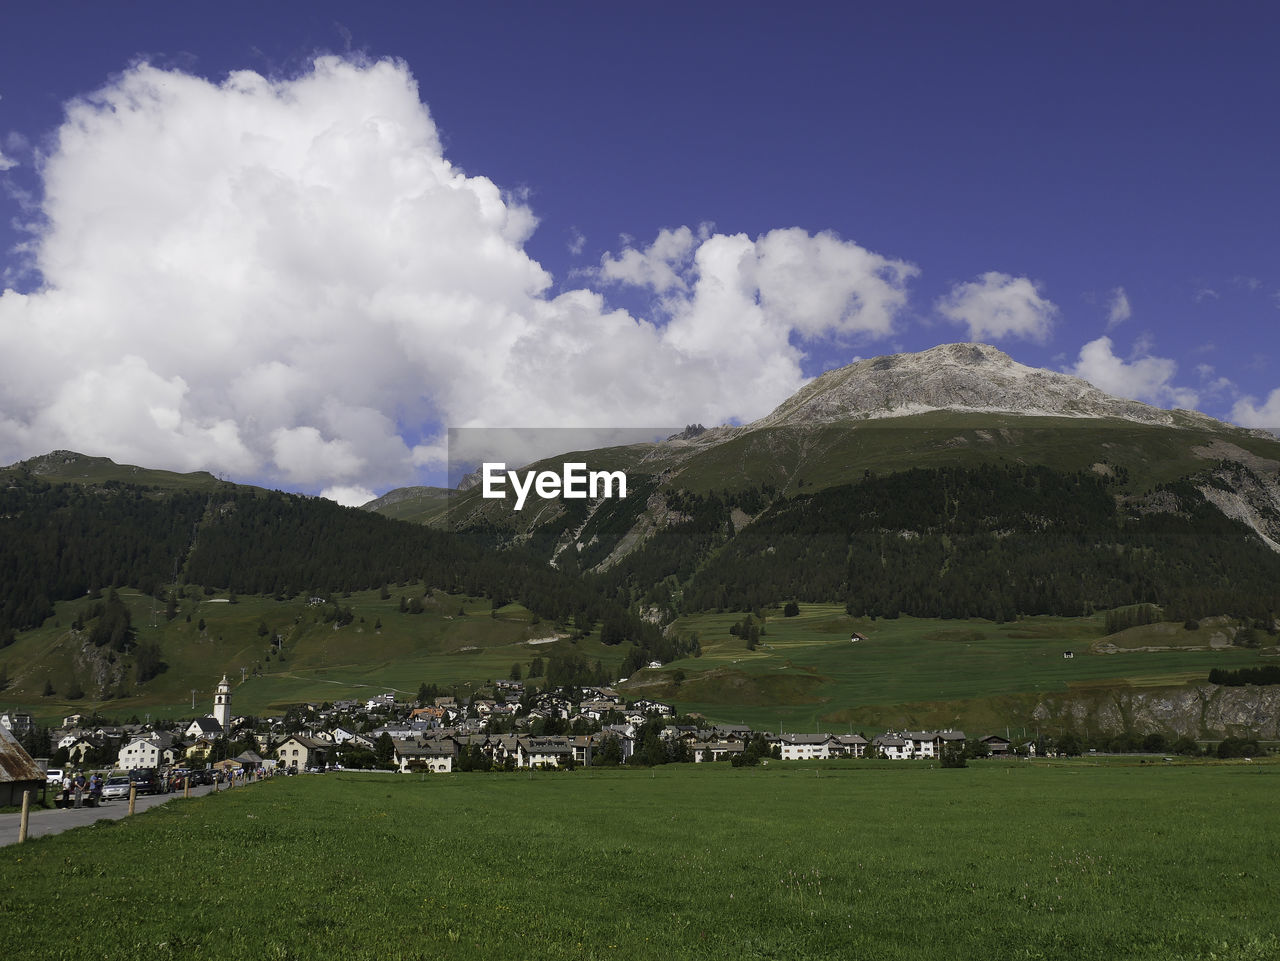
x=806, y=672
x=841, y=860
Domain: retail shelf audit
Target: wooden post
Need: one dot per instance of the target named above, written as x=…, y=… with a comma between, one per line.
x=186, y=786
x=26, y=814
x=133, y=796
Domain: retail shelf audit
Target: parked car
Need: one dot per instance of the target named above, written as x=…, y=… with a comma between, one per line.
x=147, y=780
x=117, y=787
x=201, y=777
x=54, y=775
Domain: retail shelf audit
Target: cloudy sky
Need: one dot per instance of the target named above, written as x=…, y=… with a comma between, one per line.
x=294, y=243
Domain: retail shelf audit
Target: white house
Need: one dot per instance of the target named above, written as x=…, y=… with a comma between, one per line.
x=151, y=750
x=891, y=746
x=68, y=739
x=924, y=743
x=654, y=707
x=804, y=747
x=380, y=702
x=204, y=727
x=411, y=756
x=19, y=724
x=341, y=735
x=300, y=752
x=543, y=751
x=849, y=745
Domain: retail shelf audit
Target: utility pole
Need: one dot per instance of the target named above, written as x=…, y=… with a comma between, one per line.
x=242, y=671
x=193, y=698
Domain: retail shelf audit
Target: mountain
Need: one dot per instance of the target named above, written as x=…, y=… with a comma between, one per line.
x=951, y=484
x=65, y=466
x=955, y=405
x=957, y=377
x=421, y=505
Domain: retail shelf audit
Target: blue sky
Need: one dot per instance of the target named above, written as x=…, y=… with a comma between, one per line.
x=594, y=217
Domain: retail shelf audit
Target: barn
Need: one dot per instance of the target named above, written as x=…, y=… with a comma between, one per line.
x=18, y=773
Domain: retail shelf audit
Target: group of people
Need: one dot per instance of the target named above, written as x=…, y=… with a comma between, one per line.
x=76, y=788
x=79, y=789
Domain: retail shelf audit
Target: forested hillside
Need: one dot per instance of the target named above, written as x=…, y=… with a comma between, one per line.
x=993, y=542
x=61, y=541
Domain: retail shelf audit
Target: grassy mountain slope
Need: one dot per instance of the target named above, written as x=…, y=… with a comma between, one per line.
x=792, y=460
x=417, y=505
x=72, y=468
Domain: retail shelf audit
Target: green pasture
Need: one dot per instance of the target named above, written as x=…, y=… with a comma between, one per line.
x=806, y=671
x=83, y=469
x=805, y=675
x=456, y=639
x=848, y=860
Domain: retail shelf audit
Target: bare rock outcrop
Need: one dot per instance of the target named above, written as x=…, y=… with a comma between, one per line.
x=1201, y=710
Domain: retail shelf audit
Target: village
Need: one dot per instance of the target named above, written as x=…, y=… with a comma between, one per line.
x=502, y=726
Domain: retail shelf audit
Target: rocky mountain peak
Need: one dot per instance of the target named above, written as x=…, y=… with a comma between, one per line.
x=963, y=377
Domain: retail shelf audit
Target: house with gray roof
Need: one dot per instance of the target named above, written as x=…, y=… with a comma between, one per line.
x=544, y=752
x=849, y=745
x=804, y=747
x=430, y=756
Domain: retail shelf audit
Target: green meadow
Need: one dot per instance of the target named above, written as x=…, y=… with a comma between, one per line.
x=806, y=673
x=836, y=860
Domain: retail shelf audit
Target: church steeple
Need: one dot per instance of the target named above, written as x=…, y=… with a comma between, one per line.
x=222, y=703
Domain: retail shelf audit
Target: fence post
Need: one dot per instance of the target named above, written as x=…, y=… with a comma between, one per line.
x=26, y=814
x=133, y=796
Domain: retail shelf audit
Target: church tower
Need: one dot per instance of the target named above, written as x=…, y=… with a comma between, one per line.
x=222, y=703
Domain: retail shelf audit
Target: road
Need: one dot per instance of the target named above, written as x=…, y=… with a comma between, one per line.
x=55, y=821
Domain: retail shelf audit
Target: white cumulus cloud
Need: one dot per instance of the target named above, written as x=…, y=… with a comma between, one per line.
x=349, y=496
x=287, y=281
x=659, y=266
x=1146, y=378
x=997, y=306
x=1248, y=412
x=1119, y=310
x=785, y=280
